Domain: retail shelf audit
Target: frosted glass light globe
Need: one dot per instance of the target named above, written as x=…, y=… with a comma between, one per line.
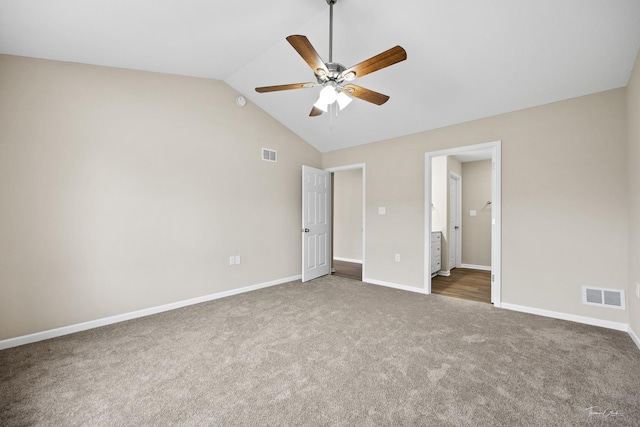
x=328, y=95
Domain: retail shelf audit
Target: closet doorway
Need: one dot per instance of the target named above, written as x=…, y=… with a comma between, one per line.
x=463, y=217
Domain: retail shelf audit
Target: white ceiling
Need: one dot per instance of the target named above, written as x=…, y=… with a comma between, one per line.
x=467, y=59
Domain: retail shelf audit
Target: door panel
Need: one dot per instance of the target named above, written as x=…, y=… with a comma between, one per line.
x=316, y=227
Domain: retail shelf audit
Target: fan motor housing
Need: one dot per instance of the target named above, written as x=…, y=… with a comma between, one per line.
x=335, y=69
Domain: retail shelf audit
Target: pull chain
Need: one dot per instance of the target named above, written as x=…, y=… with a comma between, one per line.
x=332, y=107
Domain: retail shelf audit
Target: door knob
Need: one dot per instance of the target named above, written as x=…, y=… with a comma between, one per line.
x=305, y=230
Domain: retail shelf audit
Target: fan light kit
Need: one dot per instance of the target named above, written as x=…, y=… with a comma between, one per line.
x=335, y=78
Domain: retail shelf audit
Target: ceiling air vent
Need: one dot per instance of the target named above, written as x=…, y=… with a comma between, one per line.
x=269, y=155
x=613, y=298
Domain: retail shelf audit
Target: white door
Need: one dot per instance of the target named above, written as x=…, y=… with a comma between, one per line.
x=454, y=222
x=316, y=223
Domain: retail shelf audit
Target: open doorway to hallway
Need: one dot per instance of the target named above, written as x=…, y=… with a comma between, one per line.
x=348, y=221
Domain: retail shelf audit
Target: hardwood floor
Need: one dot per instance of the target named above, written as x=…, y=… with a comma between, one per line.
x=350, y=270
x=463, y=283
x=474, y=285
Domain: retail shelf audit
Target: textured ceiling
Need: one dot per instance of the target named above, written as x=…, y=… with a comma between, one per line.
x=466, y=59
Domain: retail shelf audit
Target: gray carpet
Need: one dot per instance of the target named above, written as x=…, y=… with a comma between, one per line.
x=331, y=352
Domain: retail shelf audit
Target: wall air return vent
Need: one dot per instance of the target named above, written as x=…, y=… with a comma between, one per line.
x=613, y=298
x=269, y=155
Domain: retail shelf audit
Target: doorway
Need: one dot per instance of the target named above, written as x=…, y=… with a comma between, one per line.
x=446, y=223
x=348, y=221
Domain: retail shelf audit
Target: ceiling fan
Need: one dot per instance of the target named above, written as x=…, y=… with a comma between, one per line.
x=336, y=78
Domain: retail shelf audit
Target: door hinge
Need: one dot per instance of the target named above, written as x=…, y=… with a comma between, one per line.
x=493, y=277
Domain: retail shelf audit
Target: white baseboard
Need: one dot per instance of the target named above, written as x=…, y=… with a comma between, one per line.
x=634, y=337
x=394, y=286
x=570, y=317
x=65, y=330
x=476, y=267
x=355, y=261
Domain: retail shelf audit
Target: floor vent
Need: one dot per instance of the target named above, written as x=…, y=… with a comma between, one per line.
x=613, y=298
x=269, y=155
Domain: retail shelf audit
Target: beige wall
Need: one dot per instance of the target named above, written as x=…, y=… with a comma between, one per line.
x=476, y=230
x=122, y=190
x=347, y=214
x=633, y=159
x=440, y=203
x=441, y=168
x=438, y=193
x=453, y=165
x=565, y=201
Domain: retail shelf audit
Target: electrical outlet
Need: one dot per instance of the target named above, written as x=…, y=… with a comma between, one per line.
x=397, y=257
x=637, y=290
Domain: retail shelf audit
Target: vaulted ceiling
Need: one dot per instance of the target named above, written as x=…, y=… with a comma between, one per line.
x=467, y=59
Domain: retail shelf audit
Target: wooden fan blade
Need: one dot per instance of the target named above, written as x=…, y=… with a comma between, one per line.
x=365, y=94
x=315, y=111
x=284, y=87
x=378, y=62
x=303, y=46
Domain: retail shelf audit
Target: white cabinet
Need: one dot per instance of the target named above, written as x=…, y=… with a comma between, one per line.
x=436, y=252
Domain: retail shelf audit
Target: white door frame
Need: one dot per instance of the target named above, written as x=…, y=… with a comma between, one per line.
x=496, y=214
x=362, y=166
x=458, y=215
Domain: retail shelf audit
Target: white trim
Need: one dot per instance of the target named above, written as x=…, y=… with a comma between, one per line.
x=362, y=166
x=457, y=257
x=355, y=261
x=634, y=337
x=496, y=230
x=476, y=267
x=394, y=286
x=66, y=330
x=570, y=317
x=496, y=224
x=347, y=167
x=445, y=273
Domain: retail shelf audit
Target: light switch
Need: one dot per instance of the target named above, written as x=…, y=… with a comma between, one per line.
x=382, y=210
x=472, y=212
